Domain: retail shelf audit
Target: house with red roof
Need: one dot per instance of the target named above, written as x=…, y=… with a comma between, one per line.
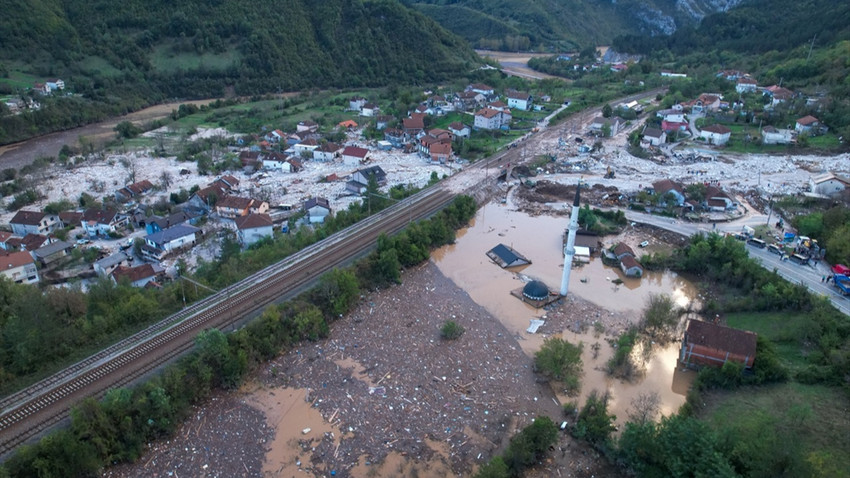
x=354, y=156
x=806, y=124
x=707, y=344
x=34, y=222
x=19, y=267
x=253, y=227
x=716, y=134
x=138, y=276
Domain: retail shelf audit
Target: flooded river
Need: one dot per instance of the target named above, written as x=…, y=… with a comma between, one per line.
x=539, y=239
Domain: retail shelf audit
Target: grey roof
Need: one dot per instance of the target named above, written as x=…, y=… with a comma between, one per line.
x=112, y=260
x=167, y=235
x=506, y=257
x=52, y=248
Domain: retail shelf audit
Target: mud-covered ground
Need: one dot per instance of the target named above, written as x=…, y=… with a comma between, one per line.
x=390, y=387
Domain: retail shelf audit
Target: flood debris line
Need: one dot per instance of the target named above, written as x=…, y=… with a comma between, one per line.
x=224, y=437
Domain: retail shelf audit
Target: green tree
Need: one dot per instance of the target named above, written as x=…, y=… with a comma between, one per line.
x=560, y=360
x=594, y=424
x=607, y=111
x=338, y=290
x=127, y=129
x=660, y=317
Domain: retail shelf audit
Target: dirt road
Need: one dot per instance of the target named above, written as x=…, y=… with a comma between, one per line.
x=517, y=63
x=20, y=154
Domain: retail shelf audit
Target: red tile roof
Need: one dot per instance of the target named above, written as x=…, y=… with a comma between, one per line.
x=252, y=221
x=15, y=259
x=718, y=337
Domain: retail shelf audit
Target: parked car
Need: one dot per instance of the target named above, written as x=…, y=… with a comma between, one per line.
x=774, y=249
x=644, y=244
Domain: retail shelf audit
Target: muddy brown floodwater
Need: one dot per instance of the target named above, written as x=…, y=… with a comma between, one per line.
x=539, y=238
x=17, y=155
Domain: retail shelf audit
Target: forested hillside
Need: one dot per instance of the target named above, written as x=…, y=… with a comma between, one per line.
x=131, y=52
x=563, y=25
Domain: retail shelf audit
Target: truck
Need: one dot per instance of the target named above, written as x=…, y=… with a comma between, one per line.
x=748, y=231
x=842, y=282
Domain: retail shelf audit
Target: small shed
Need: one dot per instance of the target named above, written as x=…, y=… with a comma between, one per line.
x=506, y=257
x=714, y=345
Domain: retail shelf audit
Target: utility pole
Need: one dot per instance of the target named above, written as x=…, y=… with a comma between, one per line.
x=811, y=47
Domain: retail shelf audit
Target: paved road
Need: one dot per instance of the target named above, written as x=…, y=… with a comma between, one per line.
x=808, y=275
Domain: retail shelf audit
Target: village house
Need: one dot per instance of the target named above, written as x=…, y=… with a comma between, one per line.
x=778, y=94
x=414, y=125
x=459, y=129
x=305, y=148
x=70, y=218
x=519, y=99
x=395, y=137
x=4, y=238
x=139, y=276
x=227, y=182
x=307, y=125
x=205, y=199
x=231, y=207
x=101, y=222
x=159, y=244
x=358, y=182
x=614, y=123
x=347, y=125
x=807, y=124
x=772, y=135
x=327, y=151
x=19, y=267
x=51, y=252
x=55, y=84
x=828, y=184
x=132, y=191
x=104, y=267
x=155, y=223
x=317, y=210
x=383, y=121
x=34, y=222
x=275, y=136
x=653, y=137
x=716, y=134
x=252, y=160
x=665, y=186
x=356, y=102
x=369, y=110
x=354, y=156
x=31, y=242
x=718, y=201
x=628, y=263
x=746, y=85
x=491, y=119
x=469, y=100
x=713, y=345
x=252, y=228
x=481, y=88
x=440, y=152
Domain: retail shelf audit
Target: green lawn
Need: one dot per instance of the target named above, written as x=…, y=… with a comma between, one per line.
x=17, y=79
x=783, y=329
x=802, y=428
x=95, y=65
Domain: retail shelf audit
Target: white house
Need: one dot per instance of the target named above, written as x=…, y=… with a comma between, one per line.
x=306, y=147
x=614, y=123
x=806, y=124
x=353, y=156
x=746, y=85
x=102, y=221
x=19, y=267
x=459, y=129
x=356, y=102
x=358, y=182
x=771, y=135
x=34, y=222
x=481, y=88
x=105, y=266
x=317, y=210
x=369, y=110
x=489, y=118
x=666, y=186
x=828, y=184
x=519, y=99
x=716, y=134
x=327, y=152
x=167, y=240
x=654, y=136
x=274, y=161
x=253, y=227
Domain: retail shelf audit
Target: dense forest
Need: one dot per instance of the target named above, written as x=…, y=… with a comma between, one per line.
x=562, y=25
x=119, y=55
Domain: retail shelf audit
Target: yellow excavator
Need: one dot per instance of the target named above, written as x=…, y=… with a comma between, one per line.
x=609, y=174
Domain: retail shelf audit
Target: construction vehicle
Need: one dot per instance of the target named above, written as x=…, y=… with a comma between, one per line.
x=609, y=173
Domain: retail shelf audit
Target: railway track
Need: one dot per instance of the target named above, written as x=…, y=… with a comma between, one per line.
x=28, y=413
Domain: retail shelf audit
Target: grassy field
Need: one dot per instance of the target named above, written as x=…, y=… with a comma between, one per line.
x=802, y=427
x=19, y=80
x=783, y=329
x=99, y=66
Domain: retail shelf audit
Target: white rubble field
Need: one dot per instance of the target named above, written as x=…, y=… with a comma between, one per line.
x=737, y=173
x=101, y=178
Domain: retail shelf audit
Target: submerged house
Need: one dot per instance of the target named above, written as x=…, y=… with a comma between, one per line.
x=707, y=344
x=506, y=257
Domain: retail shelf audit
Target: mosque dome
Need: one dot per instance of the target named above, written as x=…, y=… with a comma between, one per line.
x=535, y=290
